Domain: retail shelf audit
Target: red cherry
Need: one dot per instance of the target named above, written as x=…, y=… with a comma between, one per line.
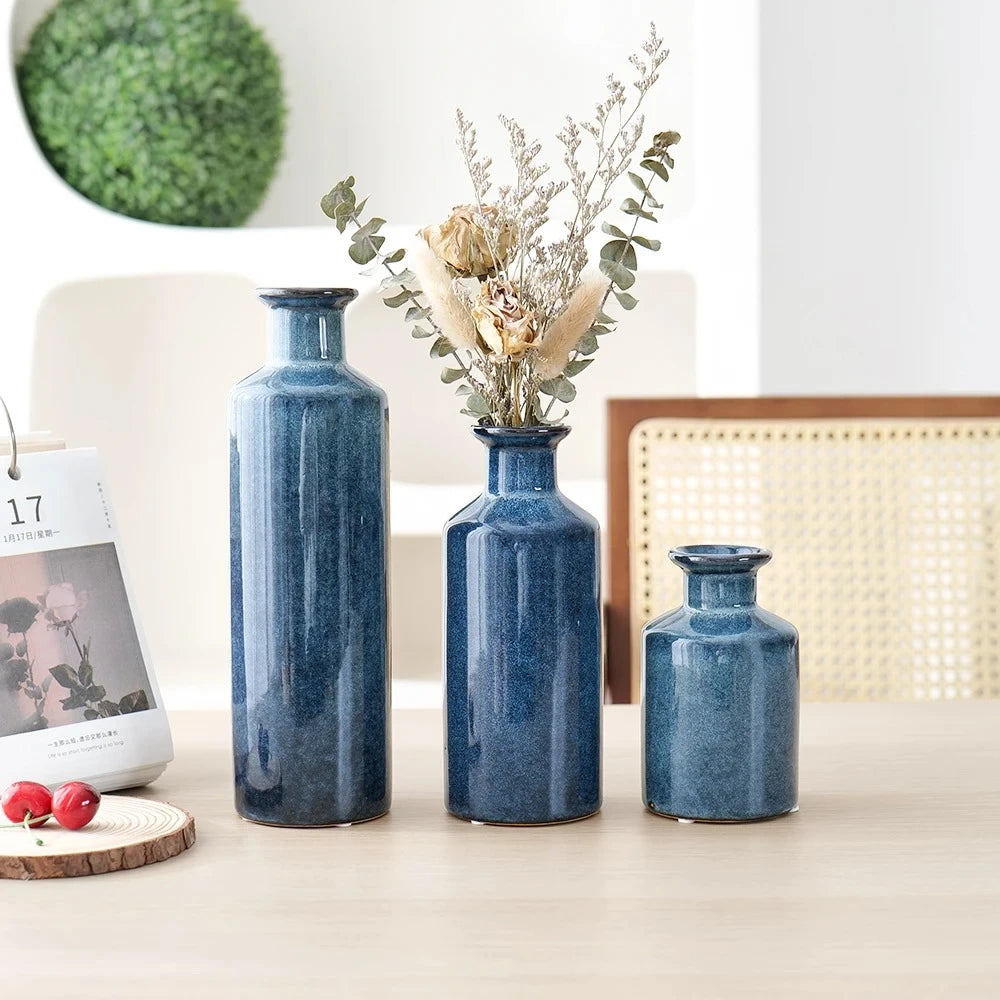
x=75, y=804
x=24, y=797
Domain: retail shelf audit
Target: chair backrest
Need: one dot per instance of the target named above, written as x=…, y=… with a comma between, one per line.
x=883, y=515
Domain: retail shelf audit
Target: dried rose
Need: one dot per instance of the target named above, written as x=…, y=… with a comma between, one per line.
x=461, y=242
x=505, y=326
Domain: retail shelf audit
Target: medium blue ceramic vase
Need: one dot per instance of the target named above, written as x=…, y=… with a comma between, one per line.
x=309, y=532
x=720, y=705
x=523, y=642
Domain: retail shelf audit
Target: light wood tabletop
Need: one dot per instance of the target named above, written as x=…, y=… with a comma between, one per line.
x=885, y=884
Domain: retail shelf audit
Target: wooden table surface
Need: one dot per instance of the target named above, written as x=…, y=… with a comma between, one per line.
x=886, y=883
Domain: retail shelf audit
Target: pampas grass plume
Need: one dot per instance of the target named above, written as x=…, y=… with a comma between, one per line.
x=569, y=326
x=448, y=311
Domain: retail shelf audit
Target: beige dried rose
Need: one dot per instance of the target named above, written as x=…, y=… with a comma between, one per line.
x=505, y=326
x=461, y=242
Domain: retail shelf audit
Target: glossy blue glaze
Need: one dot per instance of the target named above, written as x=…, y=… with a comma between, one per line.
x=720, y=706
x=309, y=532
x=523, y=642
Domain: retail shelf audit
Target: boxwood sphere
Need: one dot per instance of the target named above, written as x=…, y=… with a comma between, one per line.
x=165, y=110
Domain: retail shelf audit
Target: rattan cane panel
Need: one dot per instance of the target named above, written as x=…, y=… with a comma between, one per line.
x=884, y=536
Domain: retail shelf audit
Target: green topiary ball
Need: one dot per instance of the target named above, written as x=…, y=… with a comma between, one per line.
x=165, y=110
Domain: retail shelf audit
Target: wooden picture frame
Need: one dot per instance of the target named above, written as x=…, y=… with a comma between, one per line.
x=624, y=414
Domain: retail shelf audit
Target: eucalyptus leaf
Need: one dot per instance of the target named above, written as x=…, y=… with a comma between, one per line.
x=625, y=300
x=604, y=319
x=587, y=344
x=340, y=194
x=339, y=203
x=329, y=205
x=560, y=388
x=638, y=182
x=631, y=207
x=463, y=390
x=415, y=314
x=342, y=216
x=620, y=251
x=419, y=333
x=598, y=330
x=566, y=391
x=403, y=277
x=362, y=253
x=645, y=241
x=360, y=207
x=477, y=406
x=655, y=167
x=449, y=375
x=395, y=301
x=613, y=230
x=618, y=273
x=441, y=348
x=396, y=256
x=370, y=228
x=575, y=367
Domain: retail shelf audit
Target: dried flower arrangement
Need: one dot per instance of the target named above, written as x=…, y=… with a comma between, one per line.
x=517, y=317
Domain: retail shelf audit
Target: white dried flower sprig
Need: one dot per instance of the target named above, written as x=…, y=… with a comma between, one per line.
x=513, y=313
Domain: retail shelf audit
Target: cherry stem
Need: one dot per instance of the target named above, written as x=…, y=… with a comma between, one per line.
x=20, y=826
x=25, y=824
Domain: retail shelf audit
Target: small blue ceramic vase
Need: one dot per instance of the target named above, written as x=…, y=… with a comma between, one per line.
x=309, y=533
x=523, y=642
x=720, y=704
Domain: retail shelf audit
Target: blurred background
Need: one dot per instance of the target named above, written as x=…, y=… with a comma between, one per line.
x=830, y=228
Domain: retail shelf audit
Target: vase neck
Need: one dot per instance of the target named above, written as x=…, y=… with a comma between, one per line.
x=521, y=460
x=720, y=590
x=720, y=576
x=306, y=324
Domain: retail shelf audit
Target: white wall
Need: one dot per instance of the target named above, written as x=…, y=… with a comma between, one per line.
x=374, y=92
x=880, y=202
x=101, y=286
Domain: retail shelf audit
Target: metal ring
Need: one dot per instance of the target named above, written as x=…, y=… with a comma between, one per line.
x=14, y=472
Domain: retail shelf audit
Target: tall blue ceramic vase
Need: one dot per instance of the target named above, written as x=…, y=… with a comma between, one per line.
x=720, y=705
x=309, y=530
x=523, y=642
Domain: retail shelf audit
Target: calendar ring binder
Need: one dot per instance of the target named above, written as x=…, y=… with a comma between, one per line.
x=14, y=472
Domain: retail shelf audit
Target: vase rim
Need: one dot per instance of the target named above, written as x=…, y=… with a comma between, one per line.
x=537, y=434
x=711, y=558
x=307, y=296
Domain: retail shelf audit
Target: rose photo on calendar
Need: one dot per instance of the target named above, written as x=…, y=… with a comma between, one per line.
x=69, y=650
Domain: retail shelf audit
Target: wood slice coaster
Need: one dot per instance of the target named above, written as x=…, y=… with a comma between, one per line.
x=125, y=833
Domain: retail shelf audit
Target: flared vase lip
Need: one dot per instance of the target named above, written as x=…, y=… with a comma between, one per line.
x=307, y=296
x=711, y=558
x=537, y=435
